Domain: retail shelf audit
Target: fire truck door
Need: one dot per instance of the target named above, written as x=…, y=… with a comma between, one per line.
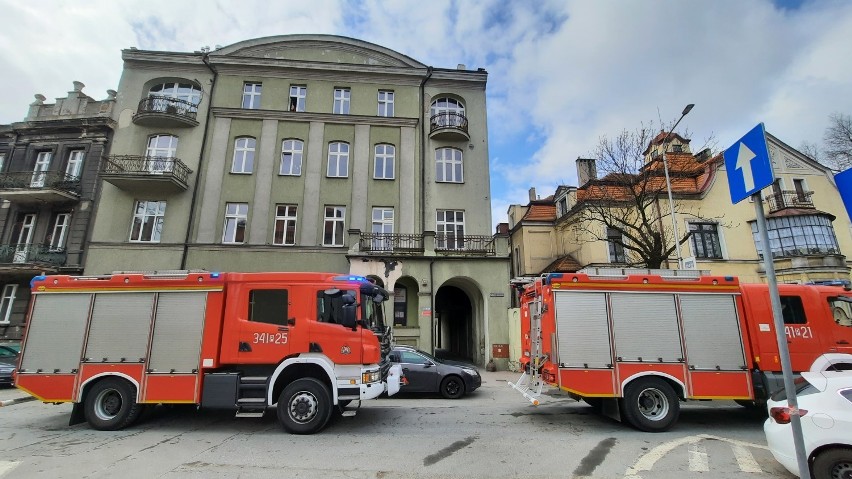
x=802, y=327
x=841, y=324
x=266, y=327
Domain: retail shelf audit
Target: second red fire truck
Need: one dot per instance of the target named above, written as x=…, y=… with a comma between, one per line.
x=634, y=346
x=306, y=343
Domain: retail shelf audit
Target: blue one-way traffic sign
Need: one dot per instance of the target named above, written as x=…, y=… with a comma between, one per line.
x=748, y=165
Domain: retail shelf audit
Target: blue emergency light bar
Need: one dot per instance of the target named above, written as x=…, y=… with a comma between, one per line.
x=359, y=279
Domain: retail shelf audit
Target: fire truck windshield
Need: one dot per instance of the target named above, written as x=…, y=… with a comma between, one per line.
x=372, y=309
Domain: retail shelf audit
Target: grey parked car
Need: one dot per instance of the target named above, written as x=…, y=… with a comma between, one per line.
x=8, y=363
x=425, y=373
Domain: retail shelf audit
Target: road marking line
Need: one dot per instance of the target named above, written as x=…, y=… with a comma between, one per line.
x=698, y=461
x=647, y=461
x=745, y=459
x=6, y=466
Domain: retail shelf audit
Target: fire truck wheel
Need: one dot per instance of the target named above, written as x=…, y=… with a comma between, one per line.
x=650, y=404
x=111, y=405
x=452, y=387
x=304, y=406
x=833, y=463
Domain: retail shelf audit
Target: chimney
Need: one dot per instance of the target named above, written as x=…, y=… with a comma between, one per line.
x=532, y=194
x=586, y=171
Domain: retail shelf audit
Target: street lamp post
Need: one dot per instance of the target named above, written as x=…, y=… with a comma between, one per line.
x=686, y=110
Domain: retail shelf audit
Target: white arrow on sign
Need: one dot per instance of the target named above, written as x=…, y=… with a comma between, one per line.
x=744, y=157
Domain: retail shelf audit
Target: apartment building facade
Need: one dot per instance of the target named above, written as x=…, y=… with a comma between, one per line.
x=49, y=165
x=311, y=153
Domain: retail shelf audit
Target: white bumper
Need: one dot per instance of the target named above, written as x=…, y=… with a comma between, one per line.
x=390, y=385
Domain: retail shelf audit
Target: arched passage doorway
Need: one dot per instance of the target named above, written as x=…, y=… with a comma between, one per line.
x=456, y=330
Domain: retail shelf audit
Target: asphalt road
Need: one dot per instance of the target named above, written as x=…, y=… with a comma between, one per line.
x=493, y=433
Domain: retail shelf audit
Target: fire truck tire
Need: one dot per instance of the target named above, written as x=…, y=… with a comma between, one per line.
x=833, y=463
x=452, y=387
x=304, y=406
x=650, y=404
x=111, y=405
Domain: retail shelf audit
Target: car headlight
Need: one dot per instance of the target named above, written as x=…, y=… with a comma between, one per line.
x=371, y=376
x=472, y=372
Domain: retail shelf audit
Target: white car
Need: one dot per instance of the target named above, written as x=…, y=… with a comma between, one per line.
x=825, y=408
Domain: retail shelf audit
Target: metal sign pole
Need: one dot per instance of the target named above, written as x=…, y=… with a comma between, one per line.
x=781, y=337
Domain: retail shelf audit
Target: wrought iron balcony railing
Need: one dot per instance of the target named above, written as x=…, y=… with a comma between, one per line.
x=138, y=165
x=167, y=105
x=41, y=254
x=448, y=119
x=391, y=243
x=790, y=199
x=39, y=180
x=464, y=244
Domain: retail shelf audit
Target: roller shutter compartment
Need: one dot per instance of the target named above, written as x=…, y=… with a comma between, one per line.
x=176, y=346
x=55, y=332
x=711, y=331
x=120, y=326
x=583, y=329
x=645, y=327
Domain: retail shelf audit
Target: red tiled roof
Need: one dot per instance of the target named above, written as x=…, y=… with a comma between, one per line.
x=539, y=212
x=565, y=264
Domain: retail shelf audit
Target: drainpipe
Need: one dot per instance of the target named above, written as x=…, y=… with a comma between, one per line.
x=432, y=304
x=194, y=199
x=423, y=151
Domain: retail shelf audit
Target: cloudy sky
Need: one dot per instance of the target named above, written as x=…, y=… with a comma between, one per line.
x=561, y=73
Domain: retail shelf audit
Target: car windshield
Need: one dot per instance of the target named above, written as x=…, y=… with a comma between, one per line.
x=803, y=388
x=7, y=352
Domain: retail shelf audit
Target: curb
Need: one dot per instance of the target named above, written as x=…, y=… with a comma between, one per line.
x=10, y=402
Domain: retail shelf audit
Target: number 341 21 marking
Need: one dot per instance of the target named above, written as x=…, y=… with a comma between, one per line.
x=270, y=338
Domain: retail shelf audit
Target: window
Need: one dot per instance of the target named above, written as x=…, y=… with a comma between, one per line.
x=410, y=357
x=341, y=101
x=385, y=103
x=40, y=170
x=448, y=165
x=400, y=306
x=841, y=310
x=268, y=306
x=383, y=166
x=2, y=161
x=178, y=91
x=615, y=240
x=251, y=95
x=7, y=301
x=160, y=153
x=148, y=217
x=330, y=306
x=338, y=160
x=792, y=310
x=561, y=207
x=236, y=216
x=333, y=226
x=798, y=236
x=285, y=225
x=58, y=231
x=75, y=164
x=450, y=229
x=801, y=190
x=382, y=225
x=448, y=112
x=243, y=155
x=705, y=240
x=291, y=157
x=297, y=98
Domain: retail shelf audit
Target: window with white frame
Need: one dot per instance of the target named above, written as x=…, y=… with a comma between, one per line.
x=58, y=231
x=449, y=231
x=75, y=164
x=448, y=165
x=338, y=160
x=297, y=98
x=285, y=225
x=341, y=101
x=447, y=112
x=7, y=301
x=382, y=228
x=148, y=217
x=385, y=103
x=178, y=91
x=236, y=217
x=243, y=155
x=160, y=153
x=251, y=95
x=333, y=226
x=42, y=164
x=615, y=241
x=705, y=240
x=383, y=165
x=291, y=157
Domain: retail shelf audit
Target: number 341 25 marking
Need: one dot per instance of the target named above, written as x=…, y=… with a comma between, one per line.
x=270, y=338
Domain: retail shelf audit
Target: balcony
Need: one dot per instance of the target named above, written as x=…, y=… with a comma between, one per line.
x=391, y=243
x=790, y=199
x=39, y=187
x=450, y=244
x=153, y=174
x=166, y=112
x=35, y=258
x=448, y=126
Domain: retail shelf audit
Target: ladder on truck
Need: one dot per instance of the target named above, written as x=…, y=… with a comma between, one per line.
x=530, y=383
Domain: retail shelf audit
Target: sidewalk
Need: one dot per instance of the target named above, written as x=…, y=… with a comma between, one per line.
x=10, y=396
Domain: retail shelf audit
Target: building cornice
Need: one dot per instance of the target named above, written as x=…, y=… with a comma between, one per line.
x=317, y=117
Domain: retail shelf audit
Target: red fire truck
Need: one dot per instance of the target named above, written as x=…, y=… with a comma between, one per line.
x=307, y=342
x=633, y=346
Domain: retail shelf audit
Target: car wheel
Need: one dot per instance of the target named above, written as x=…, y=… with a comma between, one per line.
x=452, y=387
x=833, y=464
x=111, y=405
x=304, y=406
x=650, y=404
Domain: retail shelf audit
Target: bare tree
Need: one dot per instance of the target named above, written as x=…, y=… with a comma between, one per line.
x=811, y=150
x=630, y=198
x=838, y=141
